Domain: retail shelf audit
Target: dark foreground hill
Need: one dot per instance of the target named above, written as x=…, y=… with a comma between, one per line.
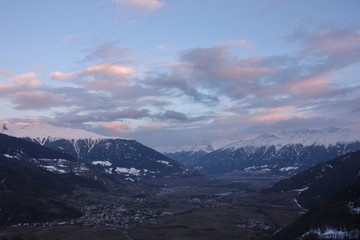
x=339, y=218
x=31, y=194
x=323, y=181
x=34, y=181
x=331, y=192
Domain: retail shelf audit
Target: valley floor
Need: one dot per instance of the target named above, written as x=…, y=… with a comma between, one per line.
x=228, y=207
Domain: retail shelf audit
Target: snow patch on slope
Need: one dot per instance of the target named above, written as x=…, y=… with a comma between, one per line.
x=332, y=233
x=131, y=171
x=102, y=163
x=353, y=209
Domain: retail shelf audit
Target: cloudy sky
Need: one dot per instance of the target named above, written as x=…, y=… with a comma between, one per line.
x=176, y=72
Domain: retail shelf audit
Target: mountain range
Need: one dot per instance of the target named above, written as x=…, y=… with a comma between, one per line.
x=281, y=153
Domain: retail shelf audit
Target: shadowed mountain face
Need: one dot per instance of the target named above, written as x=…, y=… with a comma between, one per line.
x=337, y=218
x=323, y=181
x=287, y=160
x=33, y=180
x=16, y=147
x=185, y=157
x=127, y=159
x=189, y=154
x=31, y=194
x=331, y=191
x=43, y=157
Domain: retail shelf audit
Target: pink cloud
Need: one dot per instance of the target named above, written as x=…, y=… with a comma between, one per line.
x=276, y=114
x=107, y=76
x=147, y=5
x=309, y=84
x=105, y=69
x=61, y=75
x=19, y=82
x=109, y=69
x=315, y=86
x=27, y=80
x=119, y=127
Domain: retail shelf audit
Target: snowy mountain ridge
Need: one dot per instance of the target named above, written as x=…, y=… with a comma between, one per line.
x=43, y=132
x=189, y=153
x=124, y=158
x=205, y=147
x=283, y=153
x=306, y=137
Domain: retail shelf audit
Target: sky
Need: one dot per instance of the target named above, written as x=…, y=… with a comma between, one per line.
x=177, y=72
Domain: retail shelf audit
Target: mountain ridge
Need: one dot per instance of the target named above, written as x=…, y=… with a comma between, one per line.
x=284, y=153
x=42, y=132
x=306, y=137
x=124, y=158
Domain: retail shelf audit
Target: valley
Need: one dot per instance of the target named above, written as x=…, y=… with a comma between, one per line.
x=221, y=207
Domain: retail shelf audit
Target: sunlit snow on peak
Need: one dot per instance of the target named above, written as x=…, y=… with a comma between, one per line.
x=41, y=132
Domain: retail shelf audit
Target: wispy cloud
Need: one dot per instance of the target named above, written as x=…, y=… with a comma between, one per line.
x=238, y=43
x=61, y=75
x=276, y=114
x=147, y=5
x=106, y=52
x=36, y=100
x=105, y=76
x=328, y=41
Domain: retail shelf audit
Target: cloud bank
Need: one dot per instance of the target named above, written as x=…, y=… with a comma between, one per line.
x=204, y=94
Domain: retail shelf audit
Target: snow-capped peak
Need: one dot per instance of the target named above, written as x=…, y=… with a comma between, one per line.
x=306, y=137
x=204, y=147
x=44, y=131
